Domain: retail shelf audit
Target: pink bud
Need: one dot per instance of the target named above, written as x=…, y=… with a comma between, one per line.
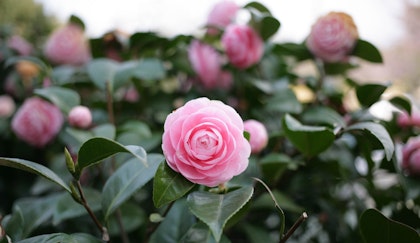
x=221, y=15
x=406, y=120
x=7, y=106
x=37, y=122
x=68, y=45
x=258, y=135
x=333, y=37
x=80, y=116
x=411, y=157
x=243, y=46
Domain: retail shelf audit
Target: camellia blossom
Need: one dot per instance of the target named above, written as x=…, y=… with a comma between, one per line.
x=411, y=157
x=80, y=116
x=7, y=106
x=203, y=140
x=37, y=121
x=406, y=120
x=243, y=46
x=68, y=45
x=258, y=135
x=333, y=37
x=221, y=15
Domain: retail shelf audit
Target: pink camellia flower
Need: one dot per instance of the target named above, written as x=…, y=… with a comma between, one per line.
x=221, y=15
x=411, y=157
x=80, y=116
x=20, y=45
x=243, y=46
x=333, y=37
x=203, y=140
x=37, y=122
x=68, y=45
x=406, y=120
x=258, y=135
x=7, y=106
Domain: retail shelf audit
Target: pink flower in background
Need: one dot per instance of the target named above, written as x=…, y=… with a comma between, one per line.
x=221, y=15
x=37, y=122
x=258, y=135
x=203, y=140
x=411, y=157
x=7, y=106
x=333, y=37
x=406, y=120
x=80, y=116
x=20, y=45
x=206, y=62
x=68, y=45
x=243, y=46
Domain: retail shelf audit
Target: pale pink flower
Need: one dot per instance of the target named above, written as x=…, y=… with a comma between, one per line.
x=333, y=37
x=203, y=140
x=80, y=116
x=258, y=135
x=221, y=15
x=411, y=157
x=37, y=122
x=406, y=120
x=243, y=46
x=20, y=45
x=7, y=106
x=68, y=45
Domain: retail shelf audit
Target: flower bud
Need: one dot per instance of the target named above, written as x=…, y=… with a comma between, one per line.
x=411, y=157
x=7, y=106
x=258, y=135
x=406, y=120
x=333, y=37
x=221, y=15
x=80, y=116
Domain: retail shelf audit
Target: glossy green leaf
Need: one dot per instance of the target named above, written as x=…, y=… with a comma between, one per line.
x=284, y=100
x=132, y=217
x=258, y=6
x=283, y=200
x=77, y=21
x=268, y=27
x=63, y=98
x=150, y=69
x=35, y=168
x=106, y=130
x=367, y=51
x=96, y=149
x=274, y=165
x=402, y=103
x=379, y=132
x=299, y=51
x=310, y=140
x=368, y=94
x=375, y=227
x=102, y=71
x=62, y=237
x=176, y=224
x=216, y=209
x=126, y=180
x=200, y=233
x=322, y=115
x=169, y=186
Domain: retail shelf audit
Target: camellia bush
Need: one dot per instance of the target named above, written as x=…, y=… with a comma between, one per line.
x=220, y=136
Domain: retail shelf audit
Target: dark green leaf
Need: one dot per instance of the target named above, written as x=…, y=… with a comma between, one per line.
x=216, y=209
x=77, y=21
x=402, y=103
x=299, y=51
x=368, y=94
x=375, y=227
x=132, y=217
x=367, y=51
x=258, y=6
x=284, y=100
x=268, y=27
x=257, y=234
x=200, y=233
x=63, y=98
x=274, y=165
x=102, y=71
x=150, y=69
x=169, y=185
x=128, y=179
x=310, y=140
x=322, y=115
x=35, y=168
x=379, y=132
x=338, y=68
x=62, y=237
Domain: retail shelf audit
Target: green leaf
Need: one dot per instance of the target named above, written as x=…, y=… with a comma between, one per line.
x=379, y=132
x=132, y=217
x=284, y=100
x=268, y=27
x=284, y=201
x=375, y=227
x=258, y=6
x=368, y=94
x=367, y=51
x=63, y=98
x=150, y=69
x=106, y=130
x=77, y=21
x=102, y=71
x=402, y=103
x=128, y=179
x=35, y=168
x=274, y=165
x=96, y=149
x=216, y=209
x=62, y=237
x=169, y=185
x=323, y=115
x=200, y=233
x=299, y=51
x=176, y=224
x=310, y=140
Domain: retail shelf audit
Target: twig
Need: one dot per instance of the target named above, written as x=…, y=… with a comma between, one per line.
x=296, y=225
x=153, y=229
